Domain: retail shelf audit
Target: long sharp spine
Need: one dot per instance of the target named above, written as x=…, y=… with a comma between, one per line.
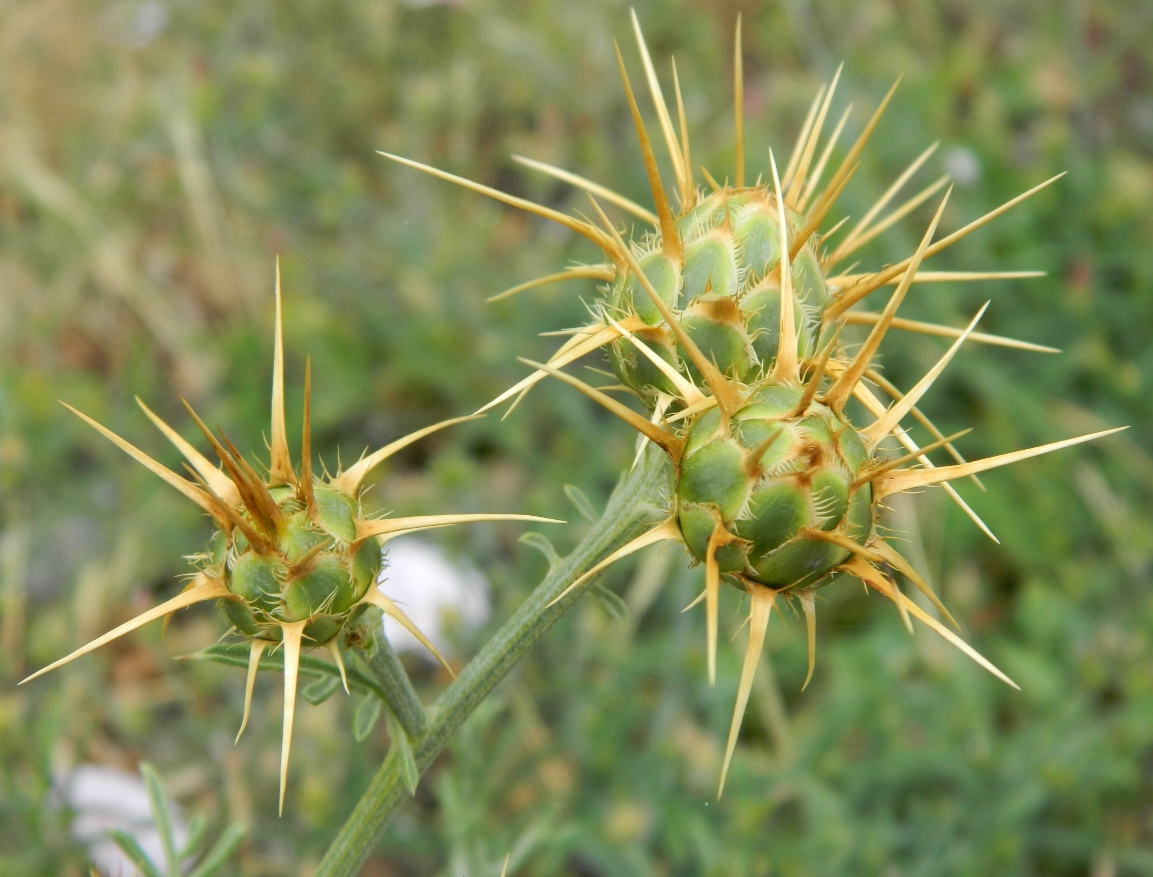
x=675, y=153
x=280, y=468
x=739, y=105
x=292, y=634
x=670, y=239
x=762, y=600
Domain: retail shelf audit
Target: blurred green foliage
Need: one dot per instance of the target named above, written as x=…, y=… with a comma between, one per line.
x=156, y=156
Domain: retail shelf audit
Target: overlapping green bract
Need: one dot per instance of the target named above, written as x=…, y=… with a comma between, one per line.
x=772, y=486
x=723, y=283
x=317, y=571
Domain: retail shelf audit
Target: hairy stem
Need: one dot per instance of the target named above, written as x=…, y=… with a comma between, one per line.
x=401, y=697
x=636, y=505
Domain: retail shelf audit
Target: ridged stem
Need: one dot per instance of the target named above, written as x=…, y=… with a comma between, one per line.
x=382, y=661
x=636, y=505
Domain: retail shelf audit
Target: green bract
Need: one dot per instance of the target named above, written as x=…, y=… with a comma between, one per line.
x=316, y=570
x=773, y=484
x=723, y=284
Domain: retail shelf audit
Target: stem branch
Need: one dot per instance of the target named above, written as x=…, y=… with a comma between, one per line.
x=381, y=659
x=636, y=505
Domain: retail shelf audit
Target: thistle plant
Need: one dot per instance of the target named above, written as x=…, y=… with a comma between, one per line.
x=723, y=320
x=777, y=441
x=294, y=560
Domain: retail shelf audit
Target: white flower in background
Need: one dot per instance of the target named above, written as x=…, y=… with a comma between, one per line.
x=105, y=798
x=439, y=594
x=962, y=164
x=134, y=25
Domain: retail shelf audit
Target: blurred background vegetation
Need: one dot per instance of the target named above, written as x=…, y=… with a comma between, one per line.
x=156, y=155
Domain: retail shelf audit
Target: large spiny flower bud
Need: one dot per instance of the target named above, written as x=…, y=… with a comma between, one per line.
x=775, y=489
x=723, y=318
x=715, y=258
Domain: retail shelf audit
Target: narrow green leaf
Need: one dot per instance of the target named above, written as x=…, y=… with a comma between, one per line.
x=236, y=655
x=409, y=772
x=161, y=815
x=541, y=543
x=583, y=505
x=321, y=690
x=610, y=602
x=196, y=833
x=221, y=852
x=131, y=848
x=367, y=712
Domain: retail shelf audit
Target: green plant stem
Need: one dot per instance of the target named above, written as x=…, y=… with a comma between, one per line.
x=637, y=504
x=401, y=697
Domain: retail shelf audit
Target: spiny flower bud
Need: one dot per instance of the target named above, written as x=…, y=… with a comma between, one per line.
x=316, y=571
x=715, y=260
x=775, y=489
x=294, y=559
x=724, y=319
